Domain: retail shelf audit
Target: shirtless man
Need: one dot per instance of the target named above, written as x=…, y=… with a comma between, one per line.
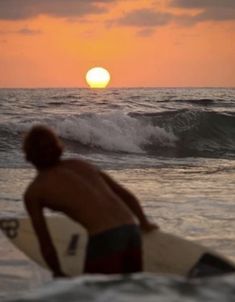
x=112, y=216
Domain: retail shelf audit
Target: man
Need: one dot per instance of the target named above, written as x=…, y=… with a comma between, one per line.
x=89, y=196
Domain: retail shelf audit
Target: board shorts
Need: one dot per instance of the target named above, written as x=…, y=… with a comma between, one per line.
x=115, y=251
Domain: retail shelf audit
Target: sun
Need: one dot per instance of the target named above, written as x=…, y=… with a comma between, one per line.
x=98, y=77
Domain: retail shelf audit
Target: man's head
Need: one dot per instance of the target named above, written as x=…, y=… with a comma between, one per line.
x=42, y=147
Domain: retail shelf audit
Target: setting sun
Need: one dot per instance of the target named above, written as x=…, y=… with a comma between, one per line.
x=98, y=77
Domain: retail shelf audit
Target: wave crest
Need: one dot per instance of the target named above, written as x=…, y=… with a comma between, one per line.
x=114, y=132
x=179, y=133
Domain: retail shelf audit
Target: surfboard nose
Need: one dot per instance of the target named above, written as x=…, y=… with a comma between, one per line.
x=10, y=227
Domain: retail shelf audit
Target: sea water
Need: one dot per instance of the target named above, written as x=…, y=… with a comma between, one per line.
x=173, y=148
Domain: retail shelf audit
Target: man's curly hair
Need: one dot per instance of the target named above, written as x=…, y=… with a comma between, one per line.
x=42, y=147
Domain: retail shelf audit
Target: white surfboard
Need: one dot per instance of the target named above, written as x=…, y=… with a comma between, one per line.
x=163, y=253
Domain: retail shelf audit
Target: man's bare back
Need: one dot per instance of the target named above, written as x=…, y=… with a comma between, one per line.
x=87, y=195
x=79, y=190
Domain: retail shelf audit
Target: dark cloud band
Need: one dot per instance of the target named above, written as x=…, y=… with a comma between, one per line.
x=24, y=9
x=204, y=4
x=146, y=20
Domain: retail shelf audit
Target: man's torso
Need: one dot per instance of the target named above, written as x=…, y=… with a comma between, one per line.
x=77, y=189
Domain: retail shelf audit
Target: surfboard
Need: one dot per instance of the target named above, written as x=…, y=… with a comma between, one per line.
x=163, y=253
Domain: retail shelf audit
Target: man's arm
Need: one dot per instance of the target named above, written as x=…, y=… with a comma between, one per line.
x=131, y=201
x=39, y=224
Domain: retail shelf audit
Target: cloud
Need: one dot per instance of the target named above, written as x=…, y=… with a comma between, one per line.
x=24, y=9
x=144, y=18
x=211, y=10
x=22, y=31
x=215, y=15
x=28, y=32
x=204, y=3
x=147, y=20
x=146, y=32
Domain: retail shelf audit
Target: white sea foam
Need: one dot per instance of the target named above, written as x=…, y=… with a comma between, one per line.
x=114, y=132
x=134, y=288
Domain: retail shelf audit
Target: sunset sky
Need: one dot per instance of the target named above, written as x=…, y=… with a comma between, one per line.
x=143, y=43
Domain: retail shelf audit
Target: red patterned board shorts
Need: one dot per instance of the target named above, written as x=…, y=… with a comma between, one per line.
x=115, y=251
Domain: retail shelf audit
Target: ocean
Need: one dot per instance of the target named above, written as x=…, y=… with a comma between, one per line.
x=174, y=148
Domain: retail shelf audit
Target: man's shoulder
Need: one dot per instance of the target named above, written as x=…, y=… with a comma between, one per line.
x=32, y=190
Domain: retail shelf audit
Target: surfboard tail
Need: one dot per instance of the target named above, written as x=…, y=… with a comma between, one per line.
x=210, y=265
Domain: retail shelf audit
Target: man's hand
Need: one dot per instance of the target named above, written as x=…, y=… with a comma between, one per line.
x=148, y=226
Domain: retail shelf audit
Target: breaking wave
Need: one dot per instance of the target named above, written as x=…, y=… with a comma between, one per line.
x=173, y=133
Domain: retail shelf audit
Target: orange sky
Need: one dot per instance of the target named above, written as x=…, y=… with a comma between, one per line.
x=141, y=42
